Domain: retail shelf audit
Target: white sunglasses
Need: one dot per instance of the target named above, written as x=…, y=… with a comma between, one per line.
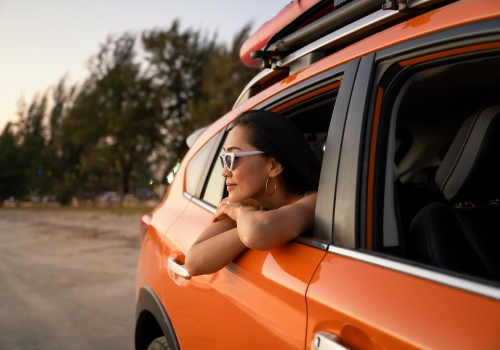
x=228, y=158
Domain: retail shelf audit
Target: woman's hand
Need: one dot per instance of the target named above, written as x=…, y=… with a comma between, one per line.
x=232, y=210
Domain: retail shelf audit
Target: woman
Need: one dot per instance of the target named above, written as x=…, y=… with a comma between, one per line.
x=272, y=177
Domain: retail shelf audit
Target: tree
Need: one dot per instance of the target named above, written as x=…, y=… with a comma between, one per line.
x=224, y=77
x=176, y=64
x=130, y=117
x=31, y=134
x=116, y=118
x=12, y=179
x=60, y=155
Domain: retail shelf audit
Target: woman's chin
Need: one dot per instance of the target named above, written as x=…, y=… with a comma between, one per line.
x=235, y=198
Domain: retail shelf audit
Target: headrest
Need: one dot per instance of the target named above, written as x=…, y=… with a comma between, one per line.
x=470, y=170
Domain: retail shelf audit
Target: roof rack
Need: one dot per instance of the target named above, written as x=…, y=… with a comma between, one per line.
x=354, y=20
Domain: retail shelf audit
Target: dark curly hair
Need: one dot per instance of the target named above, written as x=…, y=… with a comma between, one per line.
x=280, y=139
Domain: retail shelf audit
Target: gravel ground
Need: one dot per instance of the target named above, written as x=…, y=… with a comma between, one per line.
x=67, y=279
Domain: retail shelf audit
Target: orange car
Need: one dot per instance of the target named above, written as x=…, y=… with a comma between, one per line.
x=401, y=101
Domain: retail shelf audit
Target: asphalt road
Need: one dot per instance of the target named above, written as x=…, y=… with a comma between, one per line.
x=67, y=279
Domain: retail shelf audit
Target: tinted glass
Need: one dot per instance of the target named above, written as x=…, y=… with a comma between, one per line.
x=215, y=185
x=196, y=165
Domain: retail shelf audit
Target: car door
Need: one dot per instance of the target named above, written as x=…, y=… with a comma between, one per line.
x=368, y=293
x=258, y=300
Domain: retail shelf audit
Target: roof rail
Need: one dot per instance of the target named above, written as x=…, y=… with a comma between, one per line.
x=354, y=20
x=335, y=20
x=342, y=35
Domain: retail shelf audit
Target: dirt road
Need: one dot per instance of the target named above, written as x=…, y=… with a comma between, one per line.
x=67, y=279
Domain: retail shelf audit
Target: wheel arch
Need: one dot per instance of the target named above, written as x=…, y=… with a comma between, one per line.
x=152, y=321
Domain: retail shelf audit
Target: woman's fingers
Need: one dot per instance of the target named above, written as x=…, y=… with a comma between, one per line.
x=232, y=210
x=220, y=211
x=229, y=209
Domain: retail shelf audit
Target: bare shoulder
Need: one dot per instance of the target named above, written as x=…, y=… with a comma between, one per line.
x=307, y=203
x=308, y=199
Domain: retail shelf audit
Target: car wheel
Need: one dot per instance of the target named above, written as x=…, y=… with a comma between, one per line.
x=160, y=343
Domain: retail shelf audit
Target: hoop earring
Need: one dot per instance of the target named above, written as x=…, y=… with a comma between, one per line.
x=275, y=181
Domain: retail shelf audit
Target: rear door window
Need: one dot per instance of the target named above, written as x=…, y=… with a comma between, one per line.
x=424, y=111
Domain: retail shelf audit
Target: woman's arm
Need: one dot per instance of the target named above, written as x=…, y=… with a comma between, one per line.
x=217, y=246
x=264, y=230
x=221, y=242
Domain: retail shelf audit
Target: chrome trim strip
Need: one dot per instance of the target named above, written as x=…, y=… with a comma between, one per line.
x=252, y=82
x=449, y=280
x=340, y=35
x=187, y=196
x=204, y=205
x=311, y=242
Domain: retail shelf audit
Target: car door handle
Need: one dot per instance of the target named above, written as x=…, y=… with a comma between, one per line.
x=327, y=341
x=177, y=269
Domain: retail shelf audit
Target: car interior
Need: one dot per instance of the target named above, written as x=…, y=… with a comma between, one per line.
x=313, y=117
x=441, y=185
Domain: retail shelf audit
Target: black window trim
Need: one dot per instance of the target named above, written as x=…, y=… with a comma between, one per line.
x=327, y=191
x=346, y=218
x=476, y=33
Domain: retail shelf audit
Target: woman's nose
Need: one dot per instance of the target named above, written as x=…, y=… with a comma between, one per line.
x=225, y=172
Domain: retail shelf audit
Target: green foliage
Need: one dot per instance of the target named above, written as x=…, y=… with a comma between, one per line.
x=176, y=64
x=224, y=77
x=127, y=123
x=11, y=167
x=32, y=132
x=117, y=116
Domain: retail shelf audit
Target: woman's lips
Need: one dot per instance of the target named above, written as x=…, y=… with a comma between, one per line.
x=230, y=187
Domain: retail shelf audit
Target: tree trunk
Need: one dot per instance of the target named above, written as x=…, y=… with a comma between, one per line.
x=123, y=187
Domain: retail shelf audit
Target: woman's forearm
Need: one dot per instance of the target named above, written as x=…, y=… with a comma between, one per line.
x=213, y=254
x=256, y=229
x=265, y=230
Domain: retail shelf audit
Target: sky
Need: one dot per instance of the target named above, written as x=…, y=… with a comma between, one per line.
x=42, y=40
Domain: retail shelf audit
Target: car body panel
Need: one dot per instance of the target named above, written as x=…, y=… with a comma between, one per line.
x=259, y=293
x=150, y=260
x=371, y=307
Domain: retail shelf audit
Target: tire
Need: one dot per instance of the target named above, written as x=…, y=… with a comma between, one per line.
x=159, y=344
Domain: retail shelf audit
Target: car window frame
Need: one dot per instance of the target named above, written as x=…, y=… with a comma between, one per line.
x=323, y=219
x=211, y=164
x=374, y=67
x=196, y=197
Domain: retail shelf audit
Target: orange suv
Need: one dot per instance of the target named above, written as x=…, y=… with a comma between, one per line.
x=400, y=99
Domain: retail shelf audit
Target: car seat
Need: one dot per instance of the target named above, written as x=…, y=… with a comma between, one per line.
x=465, y=237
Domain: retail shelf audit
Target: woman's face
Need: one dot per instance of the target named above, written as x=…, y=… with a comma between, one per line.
x=249, y=173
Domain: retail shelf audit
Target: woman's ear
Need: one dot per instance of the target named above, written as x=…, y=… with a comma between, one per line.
x=275, y=168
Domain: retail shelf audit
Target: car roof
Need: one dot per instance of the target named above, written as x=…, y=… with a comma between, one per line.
x=296, y=46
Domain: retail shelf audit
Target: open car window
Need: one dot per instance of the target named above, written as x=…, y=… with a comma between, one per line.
x=311, y=112
x=428, y=108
